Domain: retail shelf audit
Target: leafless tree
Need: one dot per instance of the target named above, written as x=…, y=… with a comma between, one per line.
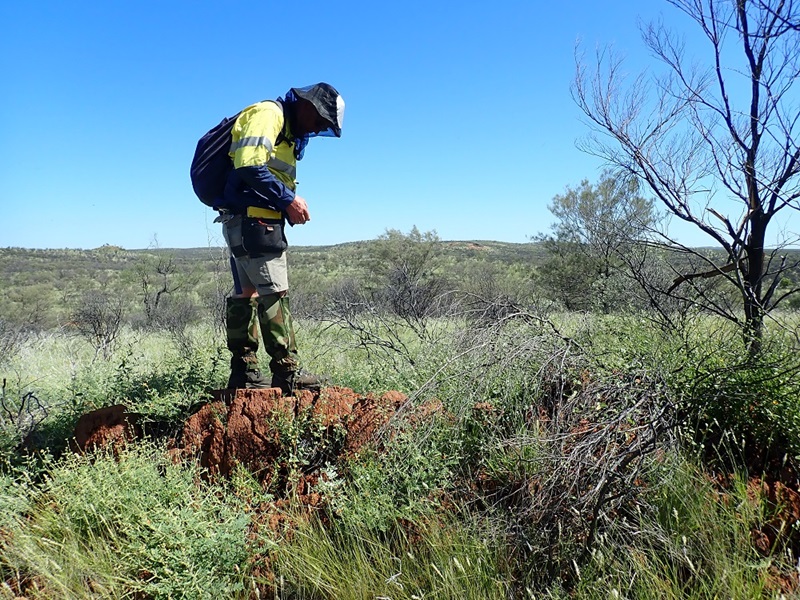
x=215, y=299
x=716, y=145
x=163, y=279
x=99, y=319
x=374, y=329
x=789, y=13
x=20, y=415
x=158, y=281
x=175, y=316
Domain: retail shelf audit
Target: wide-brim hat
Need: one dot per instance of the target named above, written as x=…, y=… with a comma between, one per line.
x=328, y=102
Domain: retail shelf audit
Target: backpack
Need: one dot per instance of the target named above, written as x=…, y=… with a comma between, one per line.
x=211, y=163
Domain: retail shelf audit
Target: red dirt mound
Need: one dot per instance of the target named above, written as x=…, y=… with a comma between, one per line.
x=112, y=426
x=256, y=428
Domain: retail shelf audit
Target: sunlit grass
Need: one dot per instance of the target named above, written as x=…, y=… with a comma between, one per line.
x=406, y=524
x=693, y=542
x=434, y=559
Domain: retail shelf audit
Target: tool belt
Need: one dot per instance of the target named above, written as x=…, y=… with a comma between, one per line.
x=262, y=233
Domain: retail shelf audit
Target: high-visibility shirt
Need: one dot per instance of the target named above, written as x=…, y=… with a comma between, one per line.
x=265, y=167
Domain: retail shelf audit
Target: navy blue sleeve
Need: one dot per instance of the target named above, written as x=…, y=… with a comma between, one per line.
x=262, y=180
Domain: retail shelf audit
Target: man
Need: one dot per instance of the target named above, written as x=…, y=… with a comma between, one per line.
x=268, y=139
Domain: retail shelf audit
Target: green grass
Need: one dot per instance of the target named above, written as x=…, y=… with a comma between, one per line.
x=431, y=559
x=412, y=520
x=691, y=542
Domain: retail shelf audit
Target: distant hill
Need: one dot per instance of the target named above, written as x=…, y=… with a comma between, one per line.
x=42, y=286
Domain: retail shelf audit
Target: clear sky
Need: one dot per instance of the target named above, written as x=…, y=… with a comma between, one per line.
x=459, y=117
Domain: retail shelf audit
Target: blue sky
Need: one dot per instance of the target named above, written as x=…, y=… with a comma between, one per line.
x=459, y=117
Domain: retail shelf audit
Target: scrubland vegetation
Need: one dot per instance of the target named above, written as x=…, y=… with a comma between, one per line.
x=581, y=454
x=605, y=413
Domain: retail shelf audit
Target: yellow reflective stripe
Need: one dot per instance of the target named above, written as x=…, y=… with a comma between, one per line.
x=278, y=165
x=263, y=213
x=251, y=141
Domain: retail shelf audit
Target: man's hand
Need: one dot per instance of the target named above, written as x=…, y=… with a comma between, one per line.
x=297, y=211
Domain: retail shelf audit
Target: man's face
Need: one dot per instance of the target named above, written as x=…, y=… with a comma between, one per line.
x=308, y=119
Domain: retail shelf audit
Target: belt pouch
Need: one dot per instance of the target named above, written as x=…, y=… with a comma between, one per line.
x=263, y=236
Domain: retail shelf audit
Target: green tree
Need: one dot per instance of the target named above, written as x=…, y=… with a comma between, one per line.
x=597, y=228
x=408, y=271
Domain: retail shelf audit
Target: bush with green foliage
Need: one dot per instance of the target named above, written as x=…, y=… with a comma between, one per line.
x=115, y=526
x=752, y=403
x=546, y=463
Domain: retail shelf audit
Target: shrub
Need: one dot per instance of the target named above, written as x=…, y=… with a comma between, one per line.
x=11, y=337
x=135, y=524
x=402, y=482
x=751, y=402
x=98, y=318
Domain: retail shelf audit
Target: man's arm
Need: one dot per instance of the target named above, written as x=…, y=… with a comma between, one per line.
x=262, y=180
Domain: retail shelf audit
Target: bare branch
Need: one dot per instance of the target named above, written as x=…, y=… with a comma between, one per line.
x=696, y=134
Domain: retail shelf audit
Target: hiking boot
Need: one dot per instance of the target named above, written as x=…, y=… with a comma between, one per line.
x=245, y=374
x=290, y=381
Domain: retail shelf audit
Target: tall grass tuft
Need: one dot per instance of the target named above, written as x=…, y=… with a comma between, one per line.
x=433, y=558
